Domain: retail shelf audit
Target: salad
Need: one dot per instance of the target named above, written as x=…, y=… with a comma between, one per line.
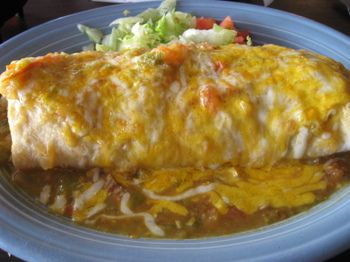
x=162, y=25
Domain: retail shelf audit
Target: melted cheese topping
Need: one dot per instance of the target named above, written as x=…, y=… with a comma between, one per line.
x=176, y=106
x=287, y=185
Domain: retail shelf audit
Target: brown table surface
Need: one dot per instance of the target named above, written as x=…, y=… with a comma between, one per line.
x=328, y=12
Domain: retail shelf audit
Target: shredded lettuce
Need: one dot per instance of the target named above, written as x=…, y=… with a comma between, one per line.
x=145, y=30
x=215, y=36
x=167, y=6
x=126, y=12
x=127, y=21
x=155, y=26
x=89, y=47
x=142, y=36
x=249, y=41
x=150, y=14
x=173, y=24
x=94, y=34
x=102, y=48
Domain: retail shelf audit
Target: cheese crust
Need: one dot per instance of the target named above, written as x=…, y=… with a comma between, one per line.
x=176, y=106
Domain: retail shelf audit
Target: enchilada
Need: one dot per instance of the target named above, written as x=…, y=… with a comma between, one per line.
x=176, y=106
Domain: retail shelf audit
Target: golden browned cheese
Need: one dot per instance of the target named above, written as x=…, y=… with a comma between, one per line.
x=176, y=106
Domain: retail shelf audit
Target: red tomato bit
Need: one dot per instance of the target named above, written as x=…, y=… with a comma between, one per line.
x=210, y=99
x=241, y=37
x=205, y=23
x=227, y=23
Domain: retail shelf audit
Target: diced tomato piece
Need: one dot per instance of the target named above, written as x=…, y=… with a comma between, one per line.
x=227, y=23
x=68, y=211
x=173, y=55
x=241, y=37
x=239, y=40
x=210, y=99
x=205, y=23
x=243, y=33
x=218, y=66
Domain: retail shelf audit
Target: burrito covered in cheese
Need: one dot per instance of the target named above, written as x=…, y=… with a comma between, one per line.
x=176, y=106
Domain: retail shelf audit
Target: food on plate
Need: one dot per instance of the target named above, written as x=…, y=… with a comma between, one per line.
x=177, y=129
x=180, y=141
x=176, y=106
